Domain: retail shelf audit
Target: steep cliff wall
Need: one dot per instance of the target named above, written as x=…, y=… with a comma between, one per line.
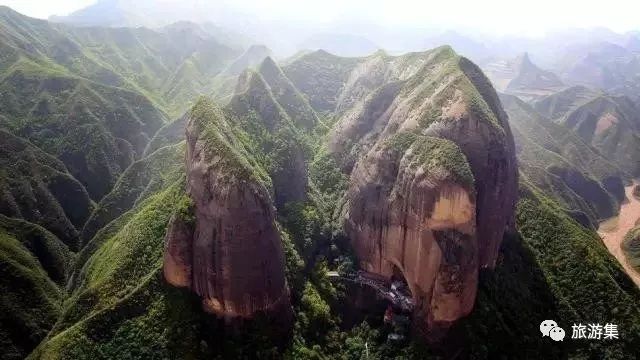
x=412, y=209
x=434, y=179
x=225, y=246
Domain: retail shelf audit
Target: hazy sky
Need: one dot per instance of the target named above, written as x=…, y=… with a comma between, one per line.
x=493, y=16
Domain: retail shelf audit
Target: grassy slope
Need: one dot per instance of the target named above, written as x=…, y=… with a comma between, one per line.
x=141, y=179
x=30, y=257
x=321, y=77
x=563, y=165
x=168, y=66
x=64, y=85
x=120, y=307
x=580, y=109
x=291, y=100
x=37, y=187
x=170, y=134
x=59, y=113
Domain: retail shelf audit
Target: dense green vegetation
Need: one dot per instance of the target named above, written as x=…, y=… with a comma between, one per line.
x=229, y=142
x=572, y=259
x=320, y=76
x=171, y=66
x=119, y=304
x=564, y=166
x=30, y=257
x=441, y=158
x=543, y=273
x=38, y=188
x=609, y=123
x=631, y=247
x=89, y=163
x=140, y=180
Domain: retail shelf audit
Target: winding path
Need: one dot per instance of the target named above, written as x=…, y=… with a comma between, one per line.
x=612, y=231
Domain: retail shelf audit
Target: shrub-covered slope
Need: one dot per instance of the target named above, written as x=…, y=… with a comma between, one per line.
x=38, y=188
x=95, y=130
x=33, y=268
x=93, y=97
x=142, y=178
x=119, y=306
x=610, y=123
x=542, y=274
x=321, y=77
x=563, y=165
x=171, y=65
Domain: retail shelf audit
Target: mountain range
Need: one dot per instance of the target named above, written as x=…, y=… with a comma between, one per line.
x=178, y=192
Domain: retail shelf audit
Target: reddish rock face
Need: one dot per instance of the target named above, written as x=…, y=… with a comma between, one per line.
x=413, y=220
x=231, y=256
x=411, y=213
x=491, y=156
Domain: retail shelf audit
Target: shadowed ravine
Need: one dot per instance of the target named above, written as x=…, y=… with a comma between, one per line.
x=612, y=231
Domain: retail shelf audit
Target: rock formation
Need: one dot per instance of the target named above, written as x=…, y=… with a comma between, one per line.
x=227, y=248
x=432, y=189
x=433, y=174
x=409, y=212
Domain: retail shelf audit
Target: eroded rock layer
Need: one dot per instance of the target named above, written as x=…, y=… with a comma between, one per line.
x=433, y=176
x=410, y=213
x=225, y=247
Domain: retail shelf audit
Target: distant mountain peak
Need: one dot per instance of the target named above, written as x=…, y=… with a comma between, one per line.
x=521, y=76
x=268, y=64
x=252, y=57
x=524, y=59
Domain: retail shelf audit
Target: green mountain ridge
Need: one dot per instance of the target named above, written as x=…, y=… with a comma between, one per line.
x=38, y=188
x=608, y=123
x=92, y=172
x=559, y=162
x=33, y=266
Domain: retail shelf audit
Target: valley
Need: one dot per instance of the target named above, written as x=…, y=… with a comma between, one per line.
x=182, y=189
x=613, y=231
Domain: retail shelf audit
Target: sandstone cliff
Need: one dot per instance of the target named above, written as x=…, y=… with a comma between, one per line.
x=225, y=246
x=411, y=211
x=433, y=172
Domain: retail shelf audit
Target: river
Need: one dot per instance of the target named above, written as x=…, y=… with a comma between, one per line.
x=612, y=231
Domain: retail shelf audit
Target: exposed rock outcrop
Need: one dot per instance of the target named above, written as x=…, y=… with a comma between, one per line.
x=410, y=212
x=226, y=247
x=434, y=178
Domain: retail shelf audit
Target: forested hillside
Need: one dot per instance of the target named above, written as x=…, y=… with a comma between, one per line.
x=168, y=193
